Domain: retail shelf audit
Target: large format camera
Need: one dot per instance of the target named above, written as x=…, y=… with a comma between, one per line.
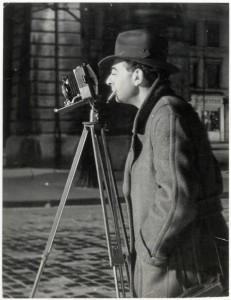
x=80, y=90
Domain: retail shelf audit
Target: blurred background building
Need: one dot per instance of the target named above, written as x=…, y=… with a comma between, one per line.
x=43, y=41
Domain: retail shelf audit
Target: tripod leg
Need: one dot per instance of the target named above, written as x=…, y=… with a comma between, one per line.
x=116, y=257
x=118, y=270
x=60, y=208
x=117, y=204
x=116, y=282
x=100, y=181
x=100, y=173
x=113, y=187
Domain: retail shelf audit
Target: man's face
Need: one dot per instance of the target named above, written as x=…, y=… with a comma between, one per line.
x=121, y=81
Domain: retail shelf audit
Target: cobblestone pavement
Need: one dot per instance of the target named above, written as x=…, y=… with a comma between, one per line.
x=78, y=265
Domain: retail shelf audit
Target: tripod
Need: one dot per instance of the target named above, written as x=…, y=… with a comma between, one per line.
x=118, y=248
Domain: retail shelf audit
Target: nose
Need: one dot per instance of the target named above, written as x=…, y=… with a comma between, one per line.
x=108, y=80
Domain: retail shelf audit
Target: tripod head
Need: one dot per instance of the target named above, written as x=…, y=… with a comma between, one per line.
x=80, y=91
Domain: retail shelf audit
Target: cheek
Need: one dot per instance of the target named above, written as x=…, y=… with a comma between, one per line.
x=125, y=92
x=124, y=84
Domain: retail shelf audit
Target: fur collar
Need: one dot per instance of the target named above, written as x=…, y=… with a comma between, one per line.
x=161, y=89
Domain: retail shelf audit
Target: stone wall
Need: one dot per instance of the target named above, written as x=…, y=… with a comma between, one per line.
x=46, y=45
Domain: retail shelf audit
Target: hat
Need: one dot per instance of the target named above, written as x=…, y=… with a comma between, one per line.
x=141, y=46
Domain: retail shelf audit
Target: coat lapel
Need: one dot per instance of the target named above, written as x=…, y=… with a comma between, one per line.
x=161, y=89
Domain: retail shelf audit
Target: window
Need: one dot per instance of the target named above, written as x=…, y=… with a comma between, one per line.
x=212, y=34
x=193, y=74
x=192, y=33
x=213, y=75
x=212, y=120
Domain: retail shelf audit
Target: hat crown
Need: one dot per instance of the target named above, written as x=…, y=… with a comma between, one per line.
x=141, y=44
x=144, y=47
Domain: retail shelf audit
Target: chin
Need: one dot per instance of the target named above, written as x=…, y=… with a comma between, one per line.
x=123, y=101
x=118, y=100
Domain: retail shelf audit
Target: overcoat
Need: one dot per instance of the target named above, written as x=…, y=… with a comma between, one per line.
x=172, y=185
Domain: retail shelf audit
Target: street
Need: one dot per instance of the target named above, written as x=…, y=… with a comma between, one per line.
x=77, y=266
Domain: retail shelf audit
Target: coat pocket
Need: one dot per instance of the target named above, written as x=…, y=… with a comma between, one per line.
x=145, y=254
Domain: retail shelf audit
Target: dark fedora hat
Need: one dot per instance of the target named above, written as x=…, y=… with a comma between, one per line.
x=141, y=46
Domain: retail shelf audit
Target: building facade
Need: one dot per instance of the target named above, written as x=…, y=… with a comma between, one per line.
x=208, y=38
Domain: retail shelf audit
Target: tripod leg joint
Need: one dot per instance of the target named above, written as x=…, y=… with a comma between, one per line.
x=117, y=257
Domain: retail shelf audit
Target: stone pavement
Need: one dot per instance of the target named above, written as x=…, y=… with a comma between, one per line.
x=78, y=265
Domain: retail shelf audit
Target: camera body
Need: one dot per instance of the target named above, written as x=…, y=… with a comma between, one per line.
x=81, y=90
x=87, y=81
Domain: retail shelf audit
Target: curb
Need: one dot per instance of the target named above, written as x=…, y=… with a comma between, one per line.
x=73, y=202
x=54, y=203
x=30, y=172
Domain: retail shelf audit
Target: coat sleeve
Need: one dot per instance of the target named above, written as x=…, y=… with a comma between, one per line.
x=174, y=206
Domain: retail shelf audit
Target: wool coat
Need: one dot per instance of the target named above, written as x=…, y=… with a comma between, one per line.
x=172, y=185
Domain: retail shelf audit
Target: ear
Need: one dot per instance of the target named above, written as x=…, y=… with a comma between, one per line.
x=138, y=77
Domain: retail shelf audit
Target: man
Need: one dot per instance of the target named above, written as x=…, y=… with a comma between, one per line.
x=172, y=182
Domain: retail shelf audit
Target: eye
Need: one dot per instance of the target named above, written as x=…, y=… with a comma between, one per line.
x=113, y=72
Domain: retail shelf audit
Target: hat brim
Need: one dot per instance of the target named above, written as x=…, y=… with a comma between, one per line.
x=164, y=66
